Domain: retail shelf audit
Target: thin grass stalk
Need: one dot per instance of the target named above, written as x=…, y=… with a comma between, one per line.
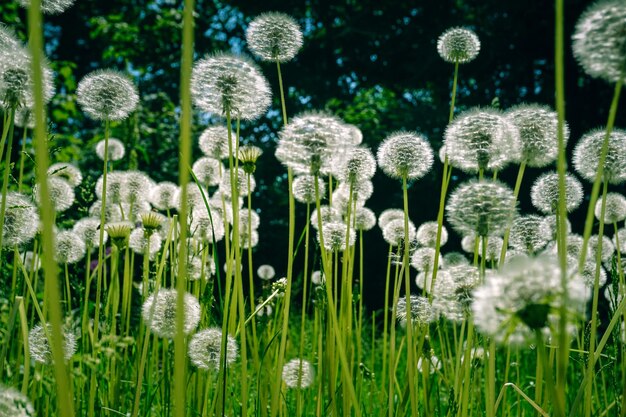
x=7, y=170
x=6, y=121
x=386, y=318
x=20, y=178
x=65, y=405
x=507, y=232
x=255, y=341
x=180, y=366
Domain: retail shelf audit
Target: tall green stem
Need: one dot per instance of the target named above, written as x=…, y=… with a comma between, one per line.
x=63, y=384
x=7, y=170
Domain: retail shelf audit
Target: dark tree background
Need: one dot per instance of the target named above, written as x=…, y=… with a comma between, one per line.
x=372, y=63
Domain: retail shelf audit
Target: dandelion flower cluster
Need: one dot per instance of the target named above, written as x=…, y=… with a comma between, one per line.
x=298, y=373
x=458, y=45
x=225, y=84
x=159, y=312
x=598, y=41
x=107, y=95
x=205, y=349
x=405, y=154
x=481, y=207
x=274, y=37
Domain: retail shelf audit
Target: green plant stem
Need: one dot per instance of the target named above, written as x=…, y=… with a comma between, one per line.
x=180, y=351
x=7, y=171
x=507, y=232
x=65, y=405
x=20, y=178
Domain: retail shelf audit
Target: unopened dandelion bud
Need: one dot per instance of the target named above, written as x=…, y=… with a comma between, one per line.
x=248, y=156
x=119, y=233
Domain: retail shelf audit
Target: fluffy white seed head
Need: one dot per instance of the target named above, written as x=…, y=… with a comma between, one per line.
x=15, y=404
x=274, y=37
x=39, y=346
x=208, y=171
x=419, y=312
x=68, y=172
x=60, y=191
x=538, y=127
x=544, y=193
x=50, y=6
x=364, y=219
x=608, y=249
x=213, y=142
x=529, y=234
x=405, y=154
x=492, y=252
x=69, y=247
x=266, y=272
x=138, y=242
x=423, y=259
x=107, y=95
x=16, y=83
x=205, y=349
x=394, y=233
x=481, y=139
x=88, y=229
x=388, y=215
x=225, y=83
x=20, y=220
x=304, y=188
x=451, y=259
x=115, y=149
x=163, y=195
x=587, y=156
x=298, y=373
x=327, y=213
x=484, y=208
x=359, y=165
x=159, y=313
x=550, y=223
x=615, y=209
x=427, y=234
x=598, y=40
x=334, y=234
x=458, y=45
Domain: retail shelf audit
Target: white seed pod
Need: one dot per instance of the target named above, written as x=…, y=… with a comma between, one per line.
x=394, y=232
x=334, y=234
x=587, y=156
x=608, y=249
x=615, y=210
x=14, y=404
x=208, y=171
x=318, y=278
x=159, y=312
x=304, y=189
x=328, y=214
x=423, y=259
x=213, y=142
x=16, y=83
x=427, y=234
x=492, y=252
x=69, y=247
x=452, y=259
x=205, y=349
x=20, y=220
x=529, y=234
x=359, y=165
x=138, y=242
x=298, y=373
x=61, y=194
x=405, y=154
x=550, y=224
x=163, y=195
x=420, y=311
x=266, y=272
x=137, y=188
x=364, y=219
x=388, y=215
x=242, y=183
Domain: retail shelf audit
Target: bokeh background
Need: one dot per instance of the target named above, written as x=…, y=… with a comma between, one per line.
x=373, y=63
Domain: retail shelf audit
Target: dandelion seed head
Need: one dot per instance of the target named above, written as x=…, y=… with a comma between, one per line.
x=420, y=310
x=587, y=156
x=248, y=240
x=115, y=187
x=274, y=37
x=318, y=278
x=252, y=216
x=88, y=229
x=454, y=258
x=364, y=219
x=544, y=193
x=458, y=45
x=242, y=183
x=310, y=142
x=359, y=165
x=394, y=232
x=615, y=210
x=163, y=195
x=31, y=261
x=24, y=118
x=328, y=214
x=137, y=187
x=159, y=313
x=51, y=7
x=481, y=139
x=334, y=234
x=524, y=296
x=16, y=84
x=116, y=149
x=20, y=220
x=14, y=404
x=68, y=172
x=388, y=215
x=427, y=234
x=608, y=249
x=423, y=259
x=405, y=154
x=588, y=274
x=69, y=247
x=208, y=171
x=298, y=373
x=493, y=250
x=60, y=191
x=550, y=224
x=598, y=40
x=433, y=363
x=107, y=95
x=304, y=188
x=205, y=227
x=225, y=83
x=39, y=346
x=484, y=208
x=266, y=272
x=529, y=234
x=213, y=142
x=8, y=39
x=138, y=241
x=538, y=128
x=205, y=349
